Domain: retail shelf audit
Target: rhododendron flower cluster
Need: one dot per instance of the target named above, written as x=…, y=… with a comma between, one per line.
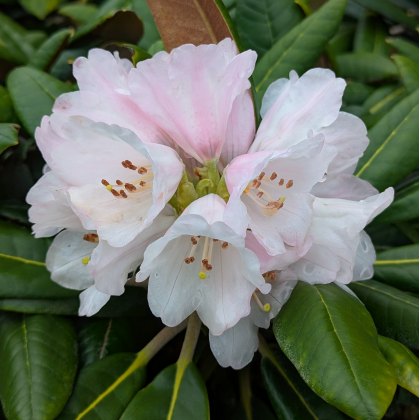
x=157, y=173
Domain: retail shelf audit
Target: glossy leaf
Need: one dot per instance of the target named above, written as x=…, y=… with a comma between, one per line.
x=40, y=8
x=405, y=47
x=6, y=106
x=53, y=306
x=396, y=313
x=44, y=57
x=408, y=70
x=300, y=47
x=392, y=151
x=332, y=341
x=154, y=401
x=261, y=23
x=79, y=13
x=94, y=379
x=33, y=93
x=365, y=66
x=196, y=22
x=8, y=136
x=370, y=35
x=23, y=273
x=38, y=362
x=405, y=363
x=399, y=267
x=405, y=206
x=13, y=45
x=290, y=397
x=391, y=11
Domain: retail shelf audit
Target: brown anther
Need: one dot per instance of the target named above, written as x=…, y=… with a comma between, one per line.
x=281, y=182
x=115, y=193
x=142, y=170
x=205, y=261
x=130, y=187
x=270, y=276
x=225, y=245
x=273, y=176
x=124, y=163
x=215, y=240
x=260, y=194
x=289, y=183
x=209, y=267
x=261, y=176
x=91, y=237
x=132, y=167
x=118, y=182
x=105, y=182
x=256, y=183
x=192, y=259
x=123, y=194
x=186, y=260
x=142, y=183
x=194, y=240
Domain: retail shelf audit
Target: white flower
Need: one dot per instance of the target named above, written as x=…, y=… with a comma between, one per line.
x=201, y=264
x=113, y=182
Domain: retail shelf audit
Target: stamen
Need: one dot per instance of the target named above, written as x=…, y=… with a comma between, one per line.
x=123, y=194
x=130, y=187
x=85, y=260
x=261, y=176
x=119, y=182
x=91, y=237
x=114, y=192
x=142, y=183
x=289, y=183
x=281, y=182
x=270, y=276
x=190, y=259
x=273, y=176
x=105, y=182
x=225, y=245
x=265, y=307
x=142, y=170
x=260, y=194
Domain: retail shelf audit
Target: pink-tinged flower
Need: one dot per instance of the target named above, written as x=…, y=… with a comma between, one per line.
x=195, y=98
x=273, y=191
x=115, y=183
x=80, y=260
x=201, y=264
x=341, y=252
x=236, y=346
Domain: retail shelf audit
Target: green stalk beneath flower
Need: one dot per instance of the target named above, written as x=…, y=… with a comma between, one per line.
x=142, y=359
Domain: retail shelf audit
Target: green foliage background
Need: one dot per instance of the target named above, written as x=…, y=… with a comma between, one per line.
x=323, y=358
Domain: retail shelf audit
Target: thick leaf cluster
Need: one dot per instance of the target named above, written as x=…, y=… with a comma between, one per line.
x=323, y=358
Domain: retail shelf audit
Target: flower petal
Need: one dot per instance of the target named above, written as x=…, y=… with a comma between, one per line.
x=365, y=258
x=91, y=301
x=236, y=346
x=67, y=260
x=197, y=84
x=303, y=106
x=50, y=209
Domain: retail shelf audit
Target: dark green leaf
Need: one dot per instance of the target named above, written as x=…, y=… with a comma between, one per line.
x=396, y=313
x=40, y=8
x=33, y=93
x=6, y=106
x=79, y=13
x=405, y=47
x=399, y=267
x=371, y=35
x=391, y=11
x=38, y=362
x=46, y=54
x=154, y=401
x=150, y=32
x=23, y=273
x=365, y=66
x=392, y=152
x=405, y=206
x=332, y=341
x=405, y=363
x=290, y=397
x=356, y=93
x=409, y=71
x=299, y=49
x=13, y=45
x=51, y=306
x=261, y=23
x=94, y=379
x=8, y=136
x=341, y=41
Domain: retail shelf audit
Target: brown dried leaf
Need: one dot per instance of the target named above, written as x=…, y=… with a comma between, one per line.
x=189, y=22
